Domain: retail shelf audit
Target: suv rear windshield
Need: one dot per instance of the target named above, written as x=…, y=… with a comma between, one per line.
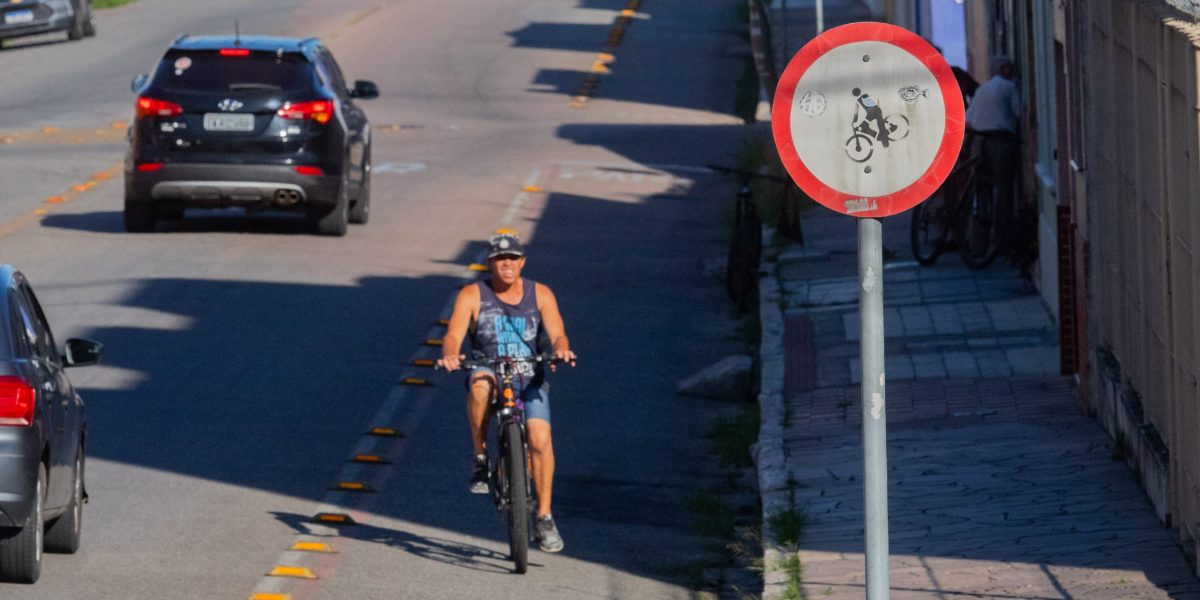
x=208, y=71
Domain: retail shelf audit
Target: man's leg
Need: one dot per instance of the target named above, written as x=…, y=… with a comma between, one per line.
x=479, y=392
x=541, y=454
x=479, y=389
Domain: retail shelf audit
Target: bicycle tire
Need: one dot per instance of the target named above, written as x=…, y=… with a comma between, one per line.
x=981, y=229
x=929, y=228
x=517, y=480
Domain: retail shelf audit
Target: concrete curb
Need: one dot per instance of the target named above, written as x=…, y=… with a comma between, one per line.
x=770, y=458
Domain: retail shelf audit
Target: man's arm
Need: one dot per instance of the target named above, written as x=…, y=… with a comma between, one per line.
x=465, y=307
x=553, y=322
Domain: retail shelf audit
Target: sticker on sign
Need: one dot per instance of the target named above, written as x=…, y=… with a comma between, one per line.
x=868, y=119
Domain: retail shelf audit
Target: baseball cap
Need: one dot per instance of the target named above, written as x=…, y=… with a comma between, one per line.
x=505, y=244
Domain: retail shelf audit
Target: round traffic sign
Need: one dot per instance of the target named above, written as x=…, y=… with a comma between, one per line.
x=868, y=119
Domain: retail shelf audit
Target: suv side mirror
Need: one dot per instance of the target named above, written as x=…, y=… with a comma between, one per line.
x=364, y=90
x=82, y=353
x=139, y=82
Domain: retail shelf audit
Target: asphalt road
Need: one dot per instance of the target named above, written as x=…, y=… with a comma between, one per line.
x=246, y=358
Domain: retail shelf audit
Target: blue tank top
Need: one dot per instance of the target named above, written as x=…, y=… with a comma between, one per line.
x=510, y=329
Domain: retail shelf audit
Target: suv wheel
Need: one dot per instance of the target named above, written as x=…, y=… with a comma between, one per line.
x=21, y=548
x=361, y=211
x=139, y=216
x=333, y=223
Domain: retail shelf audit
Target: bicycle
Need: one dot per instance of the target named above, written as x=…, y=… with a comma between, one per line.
x=745, y=245
x=962, y=212
x=511, y=488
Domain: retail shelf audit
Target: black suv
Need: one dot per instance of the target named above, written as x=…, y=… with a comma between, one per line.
x=262, y=123
x=31, y=17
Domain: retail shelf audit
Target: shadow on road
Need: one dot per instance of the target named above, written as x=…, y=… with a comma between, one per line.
x=450, y=552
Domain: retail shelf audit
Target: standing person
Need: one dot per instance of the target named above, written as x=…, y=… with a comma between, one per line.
x=506, y=315
x=995, y=113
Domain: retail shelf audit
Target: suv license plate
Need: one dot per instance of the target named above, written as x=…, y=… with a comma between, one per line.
x=19, y=16
x=228, y=122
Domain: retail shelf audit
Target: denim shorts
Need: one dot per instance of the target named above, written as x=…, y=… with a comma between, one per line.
x=535, y=398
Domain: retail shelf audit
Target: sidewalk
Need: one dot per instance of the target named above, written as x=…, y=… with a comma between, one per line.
x=998, y=486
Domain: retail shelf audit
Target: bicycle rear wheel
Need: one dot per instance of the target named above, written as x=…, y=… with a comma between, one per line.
x=930, y=227
x=517, y=482
x=981, y=228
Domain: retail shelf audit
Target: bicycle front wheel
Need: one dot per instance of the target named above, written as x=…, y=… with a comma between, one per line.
x=930, y=227
x=981, y=228
x=518, y=496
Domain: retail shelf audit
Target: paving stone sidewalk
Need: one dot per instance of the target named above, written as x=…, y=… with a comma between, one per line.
x=999, y=487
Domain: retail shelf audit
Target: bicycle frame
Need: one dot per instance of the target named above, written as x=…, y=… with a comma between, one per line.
x=506, y=408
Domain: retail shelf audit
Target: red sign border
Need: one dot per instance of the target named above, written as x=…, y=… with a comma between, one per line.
x=947, y=153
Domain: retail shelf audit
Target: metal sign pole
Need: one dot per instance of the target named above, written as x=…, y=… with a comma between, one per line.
x=870, y=306
x=820, y=17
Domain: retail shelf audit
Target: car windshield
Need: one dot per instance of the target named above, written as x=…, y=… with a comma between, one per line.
x=207, y=71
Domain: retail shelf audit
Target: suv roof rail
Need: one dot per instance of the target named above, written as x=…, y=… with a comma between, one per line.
x=309, y=40
x=180, y=38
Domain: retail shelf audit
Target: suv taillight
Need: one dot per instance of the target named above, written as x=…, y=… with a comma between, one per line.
x=320, y=111
x=16, y=402
x=150, y=107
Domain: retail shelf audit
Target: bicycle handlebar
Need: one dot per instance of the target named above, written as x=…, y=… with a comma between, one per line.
x=493, y=361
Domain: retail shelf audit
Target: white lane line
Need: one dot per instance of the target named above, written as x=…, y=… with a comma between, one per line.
x=520, y=199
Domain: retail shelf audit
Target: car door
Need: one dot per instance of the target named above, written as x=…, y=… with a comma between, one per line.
x=356, y=119
x=63, y=428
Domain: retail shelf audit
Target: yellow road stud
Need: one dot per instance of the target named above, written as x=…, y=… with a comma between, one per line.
x=370, y=458
x=386, y=432
x=477, y=267
x=532, y=189
x=313, y=547
x=605, y=57
x=598, y=67
x=628, y=13
x=265, y=596
x=414, y=381
x=433, y=342
x=423, y=362
x=298, y=572
x=354, y=486
x=334, y=519
x=56, y=199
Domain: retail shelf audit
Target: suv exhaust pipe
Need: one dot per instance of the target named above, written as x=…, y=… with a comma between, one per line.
x=287, y=197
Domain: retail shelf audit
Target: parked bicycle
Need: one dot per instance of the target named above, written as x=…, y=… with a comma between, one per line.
x=745, y=245
x=965, y=212
x=508, y=466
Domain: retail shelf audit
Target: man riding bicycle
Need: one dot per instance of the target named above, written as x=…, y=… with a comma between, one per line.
x=505, y=316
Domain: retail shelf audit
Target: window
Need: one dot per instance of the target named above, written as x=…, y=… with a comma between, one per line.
x=207, y=71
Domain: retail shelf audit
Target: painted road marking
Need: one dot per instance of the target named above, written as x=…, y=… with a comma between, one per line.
x=400, y=168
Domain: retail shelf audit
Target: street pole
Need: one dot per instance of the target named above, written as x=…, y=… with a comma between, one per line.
x=870, y=306
x=820, y=17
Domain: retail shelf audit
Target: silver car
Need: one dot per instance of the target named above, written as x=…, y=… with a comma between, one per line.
x=31, y=17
